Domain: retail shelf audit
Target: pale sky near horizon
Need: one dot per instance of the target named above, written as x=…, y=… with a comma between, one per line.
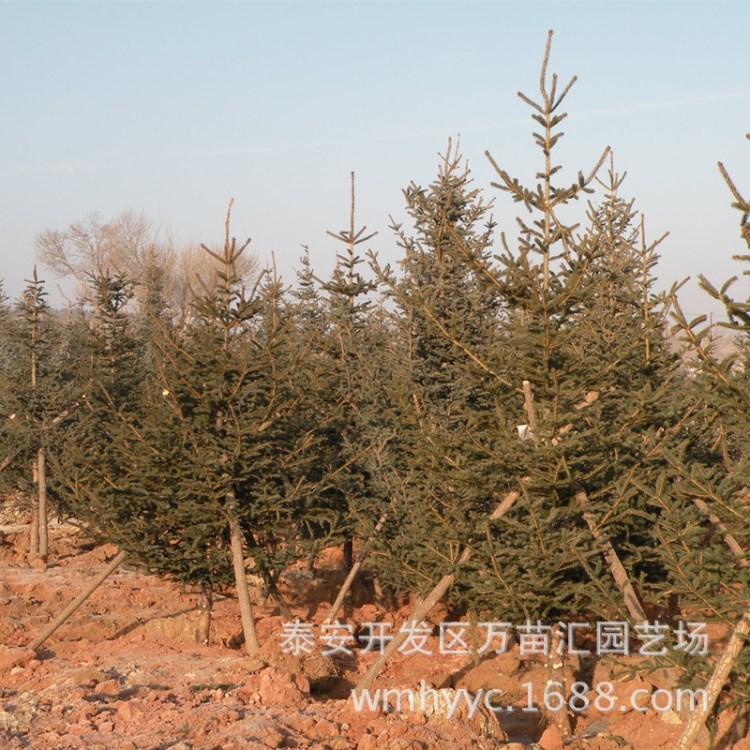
x=171, y=108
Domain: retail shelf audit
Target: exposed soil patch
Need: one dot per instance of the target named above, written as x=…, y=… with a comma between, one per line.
x=125, y=673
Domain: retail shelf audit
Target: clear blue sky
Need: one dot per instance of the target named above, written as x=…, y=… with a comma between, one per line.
x=171, y=108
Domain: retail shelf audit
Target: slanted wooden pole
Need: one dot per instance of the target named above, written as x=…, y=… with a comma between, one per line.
x=715, y=684
x=352, y=575
x=732, y=650
x=423, y=607
x=616, y=568
x=78, y=601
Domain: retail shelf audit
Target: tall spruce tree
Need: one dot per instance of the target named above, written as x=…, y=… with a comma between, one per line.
x=582, y=386
x=347, y=344
x=445, y=441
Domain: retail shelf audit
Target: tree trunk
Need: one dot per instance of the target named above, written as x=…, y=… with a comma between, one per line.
x=252, y=644
x=556, y=674
x=277, y=596
x=34, y=535
x=43, y=528
x=203, y=628
x=348, y=550
x=78, y=601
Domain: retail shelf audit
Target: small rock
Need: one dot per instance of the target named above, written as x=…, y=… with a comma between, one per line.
x=670, y=717
x=106, y=727
x=551, y=739
x=108, y=687
x=87, y=678
x=127, y=746
x=403, y=744
x=367, y=742
x=253, y=665
x=272, y=738
x=124, y=711
x=277, y=688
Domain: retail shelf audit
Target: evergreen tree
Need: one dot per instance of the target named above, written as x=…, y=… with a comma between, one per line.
x=206, y=453
x=443, y=416
x=704, y=498
x=347, y=308
x=32, y=400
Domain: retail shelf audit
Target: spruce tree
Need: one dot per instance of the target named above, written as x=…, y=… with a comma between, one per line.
x=564, y=404
x=348, y=307
x=445, y=437
x=705, y=496
x=207, y=451
x=32, y=400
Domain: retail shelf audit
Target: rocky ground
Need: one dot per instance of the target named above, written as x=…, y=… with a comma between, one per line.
x=125, y=673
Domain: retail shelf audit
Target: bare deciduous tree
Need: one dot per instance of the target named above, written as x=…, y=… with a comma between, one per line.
x=131, y=245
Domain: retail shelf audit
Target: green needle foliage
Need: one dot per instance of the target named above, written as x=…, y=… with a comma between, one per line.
x=32, y=383
x=706, y=522
x=203, y=428
x=348, y=345
x=446, y=441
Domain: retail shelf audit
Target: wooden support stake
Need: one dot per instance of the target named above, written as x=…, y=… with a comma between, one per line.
x=78, y=601
x=422, y=608
x=732, y=650
x=616, y=568
x=352, y=575
x=716, y=682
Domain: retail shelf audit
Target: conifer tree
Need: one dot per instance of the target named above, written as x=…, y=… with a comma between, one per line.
x=348, y=307
x=206, y=452
x=31, y=390
x=445, y=431
x=571, y=398
x=706, y=512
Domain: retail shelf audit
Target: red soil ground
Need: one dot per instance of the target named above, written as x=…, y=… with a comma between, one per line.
x=126, y=674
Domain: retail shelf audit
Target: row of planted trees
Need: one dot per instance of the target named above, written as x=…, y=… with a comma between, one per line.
x=506, y=422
